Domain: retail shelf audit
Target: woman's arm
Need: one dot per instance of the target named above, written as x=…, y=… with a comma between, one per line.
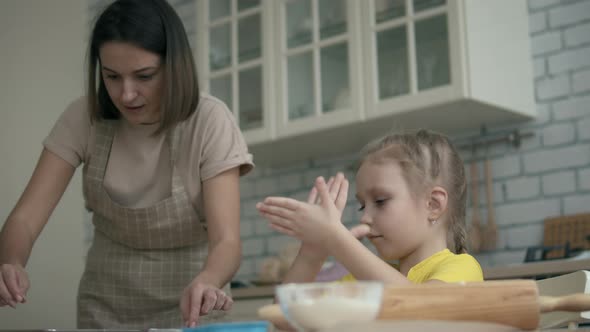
x=222, y=210
x=221, y=196
x=24, y=224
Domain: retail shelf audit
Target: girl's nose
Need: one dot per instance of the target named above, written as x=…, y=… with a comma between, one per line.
x=365, y=218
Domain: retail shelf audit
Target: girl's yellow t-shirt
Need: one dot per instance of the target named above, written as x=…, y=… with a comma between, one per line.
x=444, y=266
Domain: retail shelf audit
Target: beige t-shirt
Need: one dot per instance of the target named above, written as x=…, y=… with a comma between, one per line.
x=138, y=172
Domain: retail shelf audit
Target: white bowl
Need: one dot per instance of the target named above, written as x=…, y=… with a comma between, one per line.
x=320, y=305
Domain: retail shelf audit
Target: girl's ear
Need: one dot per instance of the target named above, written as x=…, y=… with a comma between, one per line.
x=437, y=203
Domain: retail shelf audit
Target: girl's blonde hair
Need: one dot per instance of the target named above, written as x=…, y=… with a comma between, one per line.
x=427, y=159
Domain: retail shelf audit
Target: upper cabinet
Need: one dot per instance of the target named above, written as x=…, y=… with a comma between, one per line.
x=448, y=64
x=318, y=65
x=310, y=78
x=236, y=61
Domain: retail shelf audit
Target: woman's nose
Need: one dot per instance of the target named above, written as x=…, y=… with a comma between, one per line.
x=129, y=91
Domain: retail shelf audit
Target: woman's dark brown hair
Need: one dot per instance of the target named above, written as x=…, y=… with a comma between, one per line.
x=428, y=159
x=152, y=25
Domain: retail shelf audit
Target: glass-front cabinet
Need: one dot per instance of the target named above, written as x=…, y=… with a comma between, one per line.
x=237, y=66
x=318, y=69
x=409, y=51
x=308, y=76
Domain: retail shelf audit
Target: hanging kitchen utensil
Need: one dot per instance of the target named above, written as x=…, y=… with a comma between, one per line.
x=508, y=302
x=474, y=232
x=490, y=231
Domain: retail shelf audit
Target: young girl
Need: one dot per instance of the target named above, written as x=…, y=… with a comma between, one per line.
x=412, y=193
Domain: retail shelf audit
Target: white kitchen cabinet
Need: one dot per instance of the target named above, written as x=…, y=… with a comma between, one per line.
x=318, y=65
x=236, y=61
x=448, y=65
x=316, y=78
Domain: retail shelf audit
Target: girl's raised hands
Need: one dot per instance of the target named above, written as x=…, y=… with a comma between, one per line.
x=337, y=188
x=310, y=221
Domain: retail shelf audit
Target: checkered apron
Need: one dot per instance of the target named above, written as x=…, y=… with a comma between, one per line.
x=140, y=259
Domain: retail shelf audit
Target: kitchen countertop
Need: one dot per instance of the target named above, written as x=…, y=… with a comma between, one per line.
x=512, y=271
x=559, y=266
x=252, y=292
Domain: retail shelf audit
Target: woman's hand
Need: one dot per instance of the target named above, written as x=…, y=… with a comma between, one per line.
x=14, y=284
x=310, y=222
x=199, y=298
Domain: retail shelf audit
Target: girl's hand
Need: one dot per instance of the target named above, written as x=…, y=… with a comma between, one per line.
x=337, y=187
x=311, y=223
x=14, y=284
x=199, y=298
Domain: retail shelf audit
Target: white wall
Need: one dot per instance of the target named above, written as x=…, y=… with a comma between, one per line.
x=42, y=50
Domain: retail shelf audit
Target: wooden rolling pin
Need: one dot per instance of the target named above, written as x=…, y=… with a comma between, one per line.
x=515, y=303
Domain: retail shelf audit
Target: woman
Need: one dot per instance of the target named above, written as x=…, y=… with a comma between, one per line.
x=161, y=176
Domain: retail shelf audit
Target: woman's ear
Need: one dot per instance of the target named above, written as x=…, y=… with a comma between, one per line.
x=437, y=203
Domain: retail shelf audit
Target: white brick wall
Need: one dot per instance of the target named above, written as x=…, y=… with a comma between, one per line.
x=265, y=186
x=575, y=107
x=577, y=35
x=559, y=183
x=569, y=60
x=246, y=229
x=248, y=208
x=252, y=247
x=525, y=236
x=290, y=182
x=584, y=179
x=558, y=134
x=546, y=43
x=543, y=114
x=583, y=127
x=538, y=22
x=246, y=188
x=549, y=88
x=276, y=243
x=506, y=166
x=581, y=80
x=552, y=159
x=261, y=227
x=507, y=257
x=569, y=14
x=576, y=204
x=540, y=67
x=537, y=4
x=247, y=269
x=521, y=188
